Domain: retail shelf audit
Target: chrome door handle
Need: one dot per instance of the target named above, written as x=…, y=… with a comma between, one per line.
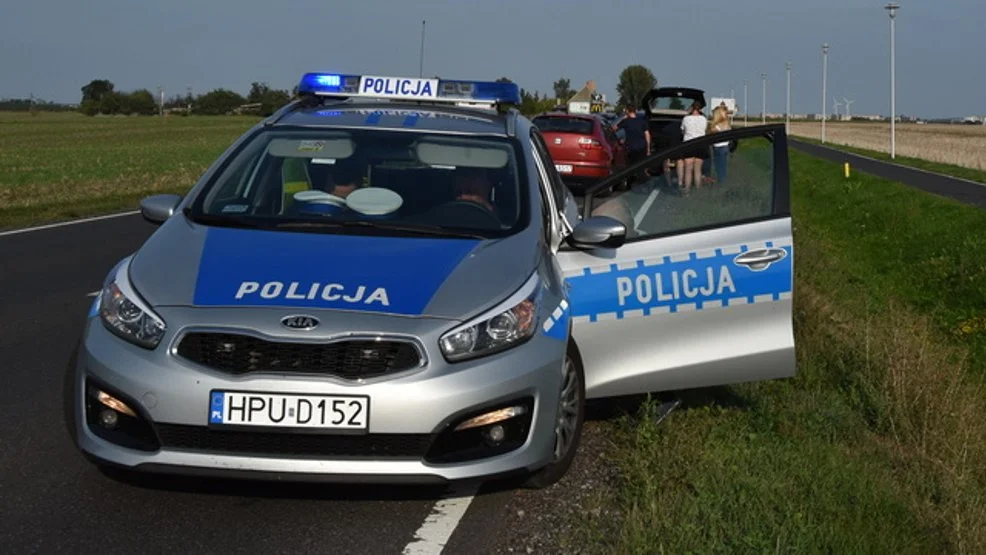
x=760, y=259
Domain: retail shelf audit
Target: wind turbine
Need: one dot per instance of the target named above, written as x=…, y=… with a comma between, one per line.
x=848, y=103
x=835, y=109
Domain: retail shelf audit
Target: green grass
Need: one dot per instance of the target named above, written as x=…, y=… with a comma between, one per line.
x=971, y=174
x=62, y=166
x=877, y=445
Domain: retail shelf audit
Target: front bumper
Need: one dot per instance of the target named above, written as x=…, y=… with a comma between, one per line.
x=173, y=394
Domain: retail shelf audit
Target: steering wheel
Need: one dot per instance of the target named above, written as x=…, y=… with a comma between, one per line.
x=464, y=213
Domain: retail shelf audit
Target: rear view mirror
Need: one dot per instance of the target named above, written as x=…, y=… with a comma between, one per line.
x=599, y=232
x=158, y=208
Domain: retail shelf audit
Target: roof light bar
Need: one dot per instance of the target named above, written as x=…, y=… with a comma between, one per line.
x=409, y=88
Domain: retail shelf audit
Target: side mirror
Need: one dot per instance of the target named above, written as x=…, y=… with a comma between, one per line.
x=158, y=208
x=599, y=232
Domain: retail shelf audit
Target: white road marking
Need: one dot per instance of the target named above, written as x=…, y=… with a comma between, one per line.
x=93, y=293
x=434, y=533
x=70, y=222
x=639, y=216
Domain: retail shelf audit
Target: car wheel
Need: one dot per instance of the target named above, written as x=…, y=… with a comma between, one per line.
x=568, y=422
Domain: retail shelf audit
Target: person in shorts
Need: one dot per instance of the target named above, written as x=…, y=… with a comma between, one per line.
x=693, y=126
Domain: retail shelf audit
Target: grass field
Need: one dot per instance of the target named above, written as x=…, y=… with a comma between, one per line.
x=877, y=445
x=57, y=166
x=959, y=146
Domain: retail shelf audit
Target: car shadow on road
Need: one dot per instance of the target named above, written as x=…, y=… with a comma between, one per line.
x=273, y=489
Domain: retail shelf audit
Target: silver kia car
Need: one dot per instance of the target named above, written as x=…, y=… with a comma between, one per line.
x=387, y=281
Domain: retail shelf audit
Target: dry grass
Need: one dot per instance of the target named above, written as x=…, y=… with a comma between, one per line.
x=959, y=145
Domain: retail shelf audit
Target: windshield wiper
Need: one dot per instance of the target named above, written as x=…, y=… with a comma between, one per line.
x=408, y=228
x=232, y=221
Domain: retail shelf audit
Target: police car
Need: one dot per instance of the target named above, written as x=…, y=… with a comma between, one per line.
x=387, y=281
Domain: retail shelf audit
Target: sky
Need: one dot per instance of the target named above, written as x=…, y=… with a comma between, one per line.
x=51, y=48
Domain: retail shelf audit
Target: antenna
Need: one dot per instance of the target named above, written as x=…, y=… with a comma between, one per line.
x=847, y=104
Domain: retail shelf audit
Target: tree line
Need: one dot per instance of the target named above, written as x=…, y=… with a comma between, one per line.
x=100, y=96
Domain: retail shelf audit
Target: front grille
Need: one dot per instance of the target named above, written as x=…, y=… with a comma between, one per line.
x=200, y=438
x=352, y=359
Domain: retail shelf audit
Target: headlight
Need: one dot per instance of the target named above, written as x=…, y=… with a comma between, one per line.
x=124, y=317
x=505, y=329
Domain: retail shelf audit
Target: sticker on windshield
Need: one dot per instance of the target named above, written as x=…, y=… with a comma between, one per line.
x=311, y=146
x=235, y=208
x=323, y=160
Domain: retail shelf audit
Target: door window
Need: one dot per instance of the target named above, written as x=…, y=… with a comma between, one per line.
x=701, y=184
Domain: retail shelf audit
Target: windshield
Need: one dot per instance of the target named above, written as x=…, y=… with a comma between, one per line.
x=549, y=124
x=368, y=181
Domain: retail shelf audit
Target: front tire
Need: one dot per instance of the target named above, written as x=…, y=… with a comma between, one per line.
x=568, y=422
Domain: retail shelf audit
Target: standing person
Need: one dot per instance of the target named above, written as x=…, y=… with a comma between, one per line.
x=637, y=136
x=693, y=126
x=720, y=150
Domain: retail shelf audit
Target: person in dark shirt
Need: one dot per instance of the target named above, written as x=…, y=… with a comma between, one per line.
x=637, y=137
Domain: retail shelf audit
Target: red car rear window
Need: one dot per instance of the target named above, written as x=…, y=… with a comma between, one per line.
x=563, y=125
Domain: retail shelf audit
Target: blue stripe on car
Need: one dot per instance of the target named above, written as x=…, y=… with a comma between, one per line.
x=394, y=275
x=698, y=283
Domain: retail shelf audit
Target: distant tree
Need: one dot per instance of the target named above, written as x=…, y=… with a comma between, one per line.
x=635, y=81
x=141, y=102
x=95, y=97
x=563, y=89
x=504, y=80
x=217, y=102
x=270, y=100
x=110, y=103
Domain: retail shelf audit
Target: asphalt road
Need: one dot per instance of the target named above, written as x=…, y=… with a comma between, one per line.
x=52, y=500
x=961, y=190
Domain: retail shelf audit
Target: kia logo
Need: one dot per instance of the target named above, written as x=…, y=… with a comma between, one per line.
x=300, y=322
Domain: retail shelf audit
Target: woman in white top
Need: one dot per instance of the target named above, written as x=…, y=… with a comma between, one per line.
x=693, y=126
x=720, y=150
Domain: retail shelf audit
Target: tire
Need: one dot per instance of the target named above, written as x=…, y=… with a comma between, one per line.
x=558, y=467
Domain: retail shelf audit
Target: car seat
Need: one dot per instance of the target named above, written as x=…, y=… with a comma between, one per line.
x=294, y=179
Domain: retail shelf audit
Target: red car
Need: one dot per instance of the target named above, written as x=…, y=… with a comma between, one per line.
x=582, y=146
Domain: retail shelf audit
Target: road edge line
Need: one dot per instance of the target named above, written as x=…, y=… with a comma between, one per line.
x=68, y=223
x=438, y=526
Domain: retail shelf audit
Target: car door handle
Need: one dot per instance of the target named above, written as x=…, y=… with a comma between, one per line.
x=761, y=258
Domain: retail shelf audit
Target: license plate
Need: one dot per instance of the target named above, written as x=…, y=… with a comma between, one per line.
x=563, y=168
x=285, y=410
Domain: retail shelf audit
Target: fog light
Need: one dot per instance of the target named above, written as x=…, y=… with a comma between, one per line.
x=492, y=418
x=115, y=404
x=495, y=434
x=108, y=419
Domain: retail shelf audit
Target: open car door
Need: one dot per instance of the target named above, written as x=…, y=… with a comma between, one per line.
x=700, y=294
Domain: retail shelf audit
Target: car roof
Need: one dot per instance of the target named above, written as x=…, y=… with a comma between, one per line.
x=403, y=116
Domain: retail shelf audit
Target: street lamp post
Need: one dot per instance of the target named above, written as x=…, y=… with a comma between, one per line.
x=825, y=75
x=787, y=116
x=746, y=107
x=421, y=56
x=892, y=9
x=763, y=111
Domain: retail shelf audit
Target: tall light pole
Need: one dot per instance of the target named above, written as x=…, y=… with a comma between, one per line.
x=746, y=107
x=825, y=76
x=787, y=116
x=421, y=59
x=892, y=9
x=763, y=111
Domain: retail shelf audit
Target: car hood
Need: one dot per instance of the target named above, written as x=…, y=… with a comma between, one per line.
x=186, y=264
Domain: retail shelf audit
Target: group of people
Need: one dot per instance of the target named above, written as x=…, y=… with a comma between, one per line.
x=692, y=168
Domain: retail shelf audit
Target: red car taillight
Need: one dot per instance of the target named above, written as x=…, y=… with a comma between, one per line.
x=589, y=143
